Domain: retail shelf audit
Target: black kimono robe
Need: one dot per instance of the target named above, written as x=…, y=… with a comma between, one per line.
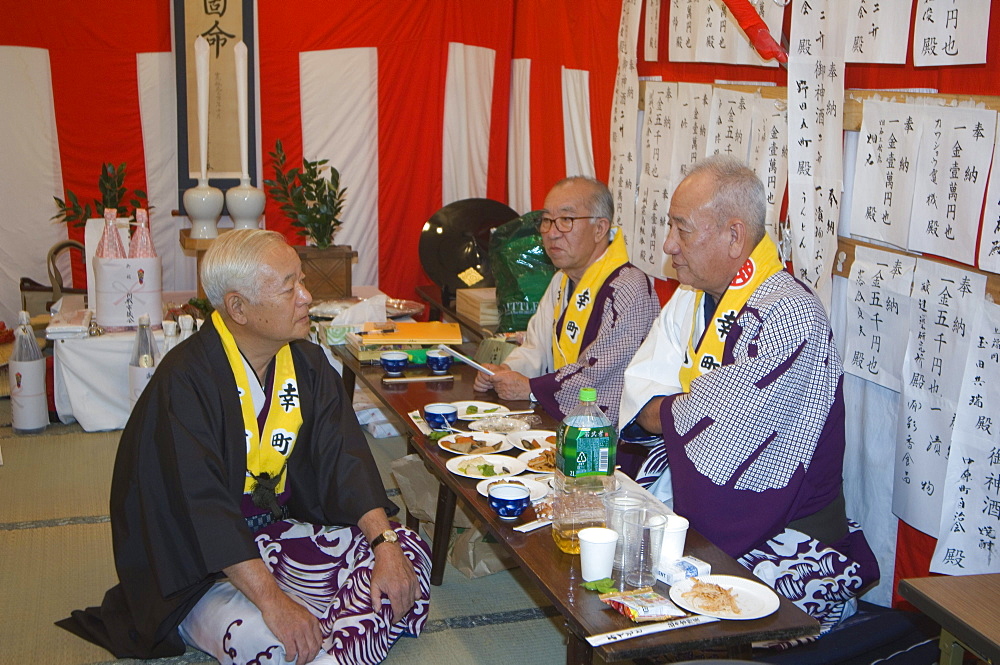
x=178, y=481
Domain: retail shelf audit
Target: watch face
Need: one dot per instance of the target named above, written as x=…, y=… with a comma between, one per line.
x=390, y=536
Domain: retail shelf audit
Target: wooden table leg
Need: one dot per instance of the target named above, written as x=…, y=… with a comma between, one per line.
x=349, y=380
x=412, y=522
x=578, y=651
x=443, y=520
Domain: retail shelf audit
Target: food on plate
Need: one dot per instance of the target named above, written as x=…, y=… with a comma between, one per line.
x=482, y=467
x=543, y=509
x=530, y=444
x=469, y=445
x=545, y=462
x=709, y=597
x=472, y=409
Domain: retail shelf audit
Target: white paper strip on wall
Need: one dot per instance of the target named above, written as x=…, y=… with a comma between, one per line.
x=878, y=315
x=769, y=155
x=989, y=242
x=655, y=186
x=967, y=537
x=623, y=176
x=947, y=32
x=944, y=302
x=878, y=31
x=720, y=39
x=693, y=108
x=682, y=34
x=730, y=123
x=651, y=43
x=885, y=171
x=952, y=168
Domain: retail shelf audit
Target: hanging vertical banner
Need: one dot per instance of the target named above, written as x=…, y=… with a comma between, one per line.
x=878, y=31
x=989, y=242
x=947, y=32
x=943, y=309
x=952, y=167
x=623, y=177
x=970, y=515
x=885, y=171
x=655, y=185
x=878, y=315
x=769, y=155
x=815, y=139
x=651, y=45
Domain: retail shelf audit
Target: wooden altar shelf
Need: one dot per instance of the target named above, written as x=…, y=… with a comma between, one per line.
x=199, y=246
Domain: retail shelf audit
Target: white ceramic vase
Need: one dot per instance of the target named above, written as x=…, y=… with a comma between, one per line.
x=203, y=205
x=246, y=204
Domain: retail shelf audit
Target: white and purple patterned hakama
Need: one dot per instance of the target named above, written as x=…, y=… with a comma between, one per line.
x=327, y=570
x=758, y=442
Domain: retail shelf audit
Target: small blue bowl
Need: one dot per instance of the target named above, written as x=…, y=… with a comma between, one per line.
x=394, y=362
x=438, y=361
x=440, y=415
x=509, y=501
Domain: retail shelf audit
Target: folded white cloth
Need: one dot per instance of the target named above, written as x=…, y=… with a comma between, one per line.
x=69, y=325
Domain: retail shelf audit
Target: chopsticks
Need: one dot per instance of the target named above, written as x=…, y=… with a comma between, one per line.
x=417, y=379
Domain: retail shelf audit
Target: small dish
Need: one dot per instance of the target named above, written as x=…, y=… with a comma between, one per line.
x=478, y=409
x=502, y=465
x=538, y=489
x=519, y=439
x=754, y=599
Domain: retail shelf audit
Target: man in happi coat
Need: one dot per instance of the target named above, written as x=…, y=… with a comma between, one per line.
x=247, y=513
x=741, y=377
x=592, y=317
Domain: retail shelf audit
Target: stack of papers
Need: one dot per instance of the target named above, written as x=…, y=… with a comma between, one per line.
x=69, y=325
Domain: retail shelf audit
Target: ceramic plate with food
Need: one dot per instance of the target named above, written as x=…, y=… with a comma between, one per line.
x=533, y=439
x=539, y=461
x=537, y=490
x=724, y=597
x=485, y=466
x=472, y=409
x=474, y=443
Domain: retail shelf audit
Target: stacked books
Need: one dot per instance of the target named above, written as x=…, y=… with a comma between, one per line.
x=368, y=346
x=479, y=305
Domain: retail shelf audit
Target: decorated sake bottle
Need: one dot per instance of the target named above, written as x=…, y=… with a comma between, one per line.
x=110, y=246
x=141, y=244
x=29, y=406
x=145, y=357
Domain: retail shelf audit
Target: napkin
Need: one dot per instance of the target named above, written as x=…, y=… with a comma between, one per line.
x=371, y=309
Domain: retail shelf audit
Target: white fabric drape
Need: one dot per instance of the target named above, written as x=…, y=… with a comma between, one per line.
x=468, y=103
x=30, y=174
x=577, y=141
x=519, y=137
x=343, y=128
x=157, y=104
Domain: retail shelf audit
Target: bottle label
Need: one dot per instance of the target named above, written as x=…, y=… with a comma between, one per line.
x=585, y=451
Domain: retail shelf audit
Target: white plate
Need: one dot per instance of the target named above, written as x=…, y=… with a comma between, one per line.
x=530, y=455
x=499, y=424
x=514, y=466
x=538, y=490
x=482, y=406
x=485, y=437
x=754, y=599
x=538, y=435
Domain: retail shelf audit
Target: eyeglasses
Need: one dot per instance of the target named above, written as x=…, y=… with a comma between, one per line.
x=564, y=224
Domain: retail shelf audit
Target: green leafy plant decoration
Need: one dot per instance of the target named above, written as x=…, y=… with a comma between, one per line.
x=311, y=197
x=111, y=184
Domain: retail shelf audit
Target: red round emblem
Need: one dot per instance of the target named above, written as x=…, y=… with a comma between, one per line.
x=744, y=275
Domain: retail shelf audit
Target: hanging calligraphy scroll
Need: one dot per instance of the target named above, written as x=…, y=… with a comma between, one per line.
x=223, y=23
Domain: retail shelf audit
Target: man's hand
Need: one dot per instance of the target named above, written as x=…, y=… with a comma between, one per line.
x=649, y=416
x=511, y=385
x=484, y=382
x=394, y=577
x=293, y=625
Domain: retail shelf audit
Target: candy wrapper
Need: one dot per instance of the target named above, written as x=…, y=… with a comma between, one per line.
x=642, y=604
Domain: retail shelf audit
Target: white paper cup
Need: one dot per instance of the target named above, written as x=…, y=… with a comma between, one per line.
x=597, y=552
x=674, y=535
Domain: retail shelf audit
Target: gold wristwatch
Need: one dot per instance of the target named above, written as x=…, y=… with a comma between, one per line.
x=387, y=536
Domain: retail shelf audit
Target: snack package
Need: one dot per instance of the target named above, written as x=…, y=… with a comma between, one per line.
x=642, y=604
x=687, y=566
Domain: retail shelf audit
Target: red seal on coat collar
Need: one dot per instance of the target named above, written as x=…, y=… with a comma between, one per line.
x=744, y=274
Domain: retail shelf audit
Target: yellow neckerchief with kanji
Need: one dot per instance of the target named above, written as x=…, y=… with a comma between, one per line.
x=762, y=264
x=267, y=453
x=566, y=341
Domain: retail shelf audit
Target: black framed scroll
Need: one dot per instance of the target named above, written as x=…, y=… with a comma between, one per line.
x=223, y=23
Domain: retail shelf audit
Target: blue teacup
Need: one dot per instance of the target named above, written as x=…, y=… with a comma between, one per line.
x=438, y=361
x=394, y=362
x=440, y=415
x=509, y=501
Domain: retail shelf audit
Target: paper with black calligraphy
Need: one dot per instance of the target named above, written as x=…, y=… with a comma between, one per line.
x=878, y=31
x=655, y=184
x=944, y=304
x=651, y=34
x=970, y=516
x=815, y=138
x=694, y=106
x=769, y=155
x=952, y=168
x=878, y=315
x=989, y=242
x=705, y=31
x=622, y=179
x=885, y=171
x=950, y=32
x=729, y=123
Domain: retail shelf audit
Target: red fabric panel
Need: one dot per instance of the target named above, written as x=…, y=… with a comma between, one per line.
x=92, y=50
x=914, y=550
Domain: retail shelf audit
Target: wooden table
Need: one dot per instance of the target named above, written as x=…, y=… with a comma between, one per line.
x=967, y=610
x=558, y=574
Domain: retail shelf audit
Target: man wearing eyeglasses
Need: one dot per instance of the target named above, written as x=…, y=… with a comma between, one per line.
x=593, y=316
